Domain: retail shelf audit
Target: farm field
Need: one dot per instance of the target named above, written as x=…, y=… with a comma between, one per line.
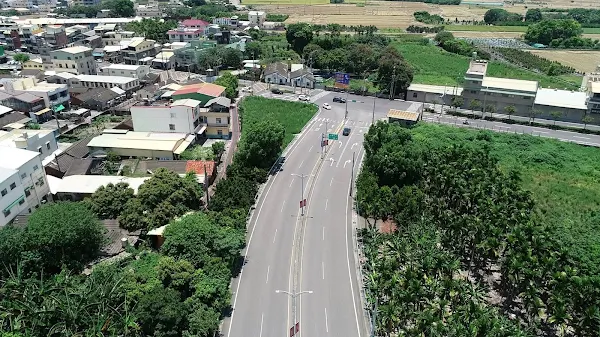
x=563, y=178
x=582, y=60
x=505, y=35
x=433, y=65
x=523, y=29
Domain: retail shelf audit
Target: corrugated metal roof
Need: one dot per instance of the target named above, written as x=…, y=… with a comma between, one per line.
x=403, y=115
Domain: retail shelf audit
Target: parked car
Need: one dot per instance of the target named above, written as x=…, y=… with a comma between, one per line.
x=339, y=100
x=304, y=98
x=326, y=106
x=276, y=91
x=346, y=132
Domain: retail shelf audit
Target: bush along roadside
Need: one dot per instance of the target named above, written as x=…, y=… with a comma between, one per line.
x=583, y=129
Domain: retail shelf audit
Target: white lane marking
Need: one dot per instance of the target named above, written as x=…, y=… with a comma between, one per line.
x=542, y=131
x=347, y=162
x=282, y=205
x=301, y=164
x=316, y=129
x=268, y=270
x=353, y=146
x=580, y=137
x=323, y=269
x=323, y=233
x=348, y=260
x=340, y=142
x=275, y=235
x=331, y=182
x=331, y=162
x=326, y=202
x=294, y=146
x=291, y=182
x=262, y=316
x=326, y=323
x=341, y=154
x=310, y=148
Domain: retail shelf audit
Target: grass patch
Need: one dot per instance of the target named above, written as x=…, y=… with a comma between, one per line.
x=433, y=65
x=564, y=179
x=292, y=115
x=198, y=152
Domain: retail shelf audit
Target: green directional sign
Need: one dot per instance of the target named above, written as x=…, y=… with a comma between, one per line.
x=333, y=136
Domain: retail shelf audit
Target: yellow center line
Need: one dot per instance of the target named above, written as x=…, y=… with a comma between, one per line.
x=339, y=128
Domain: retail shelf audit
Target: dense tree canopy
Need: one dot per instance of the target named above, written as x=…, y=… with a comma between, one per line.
x=153, y=29
x=263, y=141
x=109, y=201
x=394, y=74
x=546, y=31
x=298, y=36
x=119, y=8
x=230, y=82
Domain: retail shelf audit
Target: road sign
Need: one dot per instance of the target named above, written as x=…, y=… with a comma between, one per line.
x=302, y=203
x=292, y=333
x=342, y=80
x=332, y=136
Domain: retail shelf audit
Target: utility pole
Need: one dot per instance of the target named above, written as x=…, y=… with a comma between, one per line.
x=374, y=100
x=206, y=186
x=295, y=328
x=392, y=84
x=352, y=176
x=302, y=200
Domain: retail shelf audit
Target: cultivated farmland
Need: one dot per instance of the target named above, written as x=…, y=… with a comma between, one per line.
x=582, y=60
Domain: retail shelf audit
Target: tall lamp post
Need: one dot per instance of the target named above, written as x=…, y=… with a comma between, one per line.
x=294, y=296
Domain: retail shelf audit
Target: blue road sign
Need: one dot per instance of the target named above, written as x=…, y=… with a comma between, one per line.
x=342, y=78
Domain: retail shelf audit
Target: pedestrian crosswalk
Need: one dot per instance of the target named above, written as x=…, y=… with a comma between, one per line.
x=320, y=123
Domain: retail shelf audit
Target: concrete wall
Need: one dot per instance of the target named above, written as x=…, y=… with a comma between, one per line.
x=145, y=153
x=11, y=197
x=158, y=119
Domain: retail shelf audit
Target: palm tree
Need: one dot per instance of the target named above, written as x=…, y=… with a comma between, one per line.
x=555, y=115
x=474, y=104
x=586, y=120
x=510, y=109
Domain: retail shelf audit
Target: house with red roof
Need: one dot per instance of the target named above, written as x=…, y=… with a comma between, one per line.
x=195, y=23
x=202, y=92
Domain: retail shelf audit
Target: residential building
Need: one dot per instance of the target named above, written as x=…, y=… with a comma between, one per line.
x=112, y=38
x=31, y=177
x=202, y=92
x=128, y=84
x=33, y=64
x=181, y=116
x=195, y=24
x=76, y=60
x=184, y=34
x=98, y=99
x=189, y=55
x=148, y=11
x=164, y=60
x=215, y=114
x=594, y=98
x=229, y=22
x=78, y=187
x=161, y=146
x=30, y=91
x=126, y=70
x=83, y=2
x=432, y=93
x=26, y=103
x=257, y=17
x=12, y=195
x=42, y=141
x=292, y=75
x=136, y=49
x=499, y=92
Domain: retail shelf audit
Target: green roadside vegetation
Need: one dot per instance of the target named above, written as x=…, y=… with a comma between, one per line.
x=355, y=84
x=292, y=115
x=433, y=65
x=498, y=232
x=507, y=29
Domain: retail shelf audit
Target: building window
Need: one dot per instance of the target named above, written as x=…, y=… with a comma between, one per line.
x=3, y=192
x=172, y=127
x=6, y=212
x=48, y=145
x=68, y=57
x=35, y=167
x=40, y=149
x=414, y=95
x=23, y=176
x=60, y=65
x=27, y=193
x=219, y=132
x=172, y=115
x=73, y=66
x=13, y=186
x=40, y=181
x=21, y=202
x=218, y=120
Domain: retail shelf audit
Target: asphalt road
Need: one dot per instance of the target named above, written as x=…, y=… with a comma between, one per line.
x=317, y=249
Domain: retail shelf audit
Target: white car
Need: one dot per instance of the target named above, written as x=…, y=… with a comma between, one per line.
x=326, y=106
x=247, y=89
x=303, y=98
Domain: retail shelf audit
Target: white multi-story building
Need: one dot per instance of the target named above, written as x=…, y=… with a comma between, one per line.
x=30, y=176
x=257, y=17
x=185, y=34
x=232, y=21
x=41, y=141
x=76, y=60
x=148, y=11
x=181, y=116
x=12, y=195
x=125, y=70
x=128, y=84
x=52, y=94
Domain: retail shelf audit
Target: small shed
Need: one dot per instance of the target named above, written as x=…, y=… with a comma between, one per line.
x=405, y=118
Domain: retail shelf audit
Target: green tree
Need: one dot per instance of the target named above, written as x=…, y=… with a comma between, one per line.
x=21, y=57
x=253, y=50
x=64, y=234
x=534, y=113
x=533, y=15
x=235, y=192
x=119, y=8
x=362, y=58
x=586, y=120
x=199, y=240
x=108, y=202
x=154, y=29
x=494, y=15
x=555, y=115
x=457, y=102
x=491, y=108
x=298, y=36
x=230, y=82
x=262, y=144
x=230, y=57
x=184, y=193
x=474, y=104
x=160, y=313
x=394, y=74
x=218, y=149
x=204, y=321
x=12, y=246
x=443, y=36
x=132, y=217
x=510, y=110
x=547, y=30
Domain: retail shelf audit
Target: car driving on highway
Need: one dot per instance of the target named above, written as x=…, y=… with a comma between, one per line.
x=326, y=106
x=346, y=132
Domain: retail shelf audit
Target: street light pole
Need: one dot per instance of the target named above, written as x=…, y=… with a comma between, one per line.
x=294, y=296
x=302, y=203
